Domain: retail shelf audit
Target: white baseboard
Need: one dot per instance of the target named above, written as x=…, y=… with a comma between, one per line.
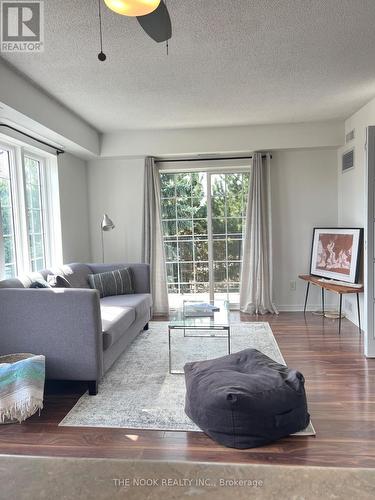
x=352, y=317
x=299, y=308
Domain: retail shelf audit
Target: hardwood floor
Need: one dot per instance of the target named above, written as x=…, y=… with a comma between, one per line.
x=340, y=385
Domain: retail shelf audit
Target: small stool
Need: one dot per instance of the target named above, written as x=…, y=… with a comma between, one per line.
x=245, y=399
x=22, y=386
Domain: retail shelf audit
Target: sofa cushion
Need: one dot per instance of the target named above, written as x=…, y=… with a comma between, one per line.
x=116, y=320
x=118, y=282
x=28, y=279
x=140, y=302
x=40, y=283
x=76, y=274
x=141, y=274
x=11, y=283
x=58, y=281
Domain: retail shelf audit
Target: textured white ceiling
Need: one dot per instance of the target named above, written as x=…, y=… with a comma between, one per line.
x=231, y=62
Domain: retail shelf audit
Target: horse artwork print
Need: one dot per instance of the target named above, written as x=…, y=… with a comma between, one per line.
x=336, y=252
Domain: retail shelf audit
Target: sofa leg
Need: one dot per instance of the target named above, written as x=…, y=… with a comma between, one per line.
x=93, y=387
x=146, y=327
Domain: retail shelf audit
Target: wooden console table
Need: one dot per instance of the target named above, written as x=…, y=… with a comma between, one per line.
x=340, y=289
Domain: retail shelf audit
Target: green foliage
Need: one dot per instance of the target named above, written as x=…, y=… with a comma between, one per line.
x=184, y=197
x=6, y=215
x=4, y=192
x=184, y=213
x=31, y=171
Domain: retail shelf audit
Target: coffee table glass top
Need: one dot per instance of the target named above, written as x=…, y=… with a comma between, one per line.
x=219, y=319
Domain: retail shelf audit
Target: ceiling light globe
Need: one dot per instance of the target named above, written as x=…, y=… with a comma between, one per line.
x=132, y=8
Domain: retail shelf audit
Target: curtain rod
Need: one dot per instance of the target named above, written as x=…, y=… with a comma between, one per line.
x=169, y=160
x=58, y=150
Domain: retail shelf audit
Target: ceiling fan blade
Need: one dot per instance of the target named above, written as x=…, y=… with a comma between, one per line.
x=157, y=24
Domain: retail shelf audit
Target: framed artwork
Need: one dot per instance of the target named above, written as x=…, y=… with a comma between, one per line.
x=336, y=253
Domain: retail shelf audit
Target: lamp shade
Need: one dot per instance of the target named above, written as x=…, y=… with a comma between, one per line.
x=132, y=8
x=107, y=224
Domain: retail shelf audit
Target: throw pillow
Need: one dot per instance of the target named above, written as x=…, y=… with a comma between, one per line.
x=58, y=281
x=118, y=282
x=40, y=283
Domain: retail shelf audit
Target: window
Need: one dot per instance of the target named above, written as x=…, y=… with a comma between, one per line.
x=34, y=213
x=184, y=214
x=29, y=220
x=228, y=202
x=203, y=215
x=7, y=217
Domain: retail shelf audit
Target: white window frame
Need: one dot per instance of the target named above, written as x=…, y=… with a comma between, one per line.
x=49, y=200
x=15, y=208
x=44, y=204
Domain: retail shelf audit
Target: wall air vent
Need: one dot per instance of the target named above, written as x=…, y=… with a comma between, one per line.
x=349, y=136
x=348, y=160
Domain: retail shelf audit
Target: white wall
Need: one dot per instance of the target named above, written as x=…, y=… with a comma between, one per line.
x=116, y=188
x=25, y=105
x=352, y=183
x=352, y=187
x=222, y=139
x=74, y=209
x=304, y=195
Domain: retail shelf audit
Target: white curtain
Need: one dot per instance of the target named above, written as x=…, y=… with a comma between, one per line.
x=256, y=273
x=153, y=247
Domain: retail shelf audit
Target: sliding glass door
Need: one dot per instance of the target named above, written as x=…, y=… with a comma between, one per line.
x=203, y=218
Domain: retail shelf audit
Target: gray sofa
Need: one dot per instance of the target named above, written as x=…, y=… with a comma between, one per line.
x=80, y=334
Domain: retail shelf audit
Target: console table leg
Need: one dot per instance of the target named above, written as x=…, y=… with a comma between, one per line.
x=340, y=309
x=323, y=301
x=306, y=297
x=169, y=350
x=359, y=314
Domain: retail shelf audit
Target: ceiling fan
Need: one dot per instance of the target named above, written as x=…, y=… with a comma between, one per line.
x=152, y=15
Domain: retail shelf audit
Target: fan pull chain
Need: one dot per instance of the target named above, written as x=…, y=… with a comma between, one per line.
x=167, y=41
x=101, y=56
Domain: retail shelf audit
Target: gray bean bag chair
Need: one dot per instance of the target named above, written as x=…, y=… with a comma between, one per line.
x=245, y=399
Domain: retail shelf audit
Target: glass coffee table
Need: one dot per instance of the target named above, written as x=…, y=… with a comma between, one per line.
x=216, y=326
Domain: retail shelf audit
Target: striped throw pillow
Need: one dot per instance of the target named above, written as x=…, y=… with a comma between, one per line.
x=118, y=282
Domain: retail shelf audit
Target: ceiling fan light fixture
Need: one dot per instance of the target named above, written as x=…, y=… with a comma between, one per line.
x=133, y=8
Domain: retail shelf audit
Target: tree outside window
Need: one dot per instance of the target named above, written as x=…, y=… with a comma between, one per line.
x=194, y=244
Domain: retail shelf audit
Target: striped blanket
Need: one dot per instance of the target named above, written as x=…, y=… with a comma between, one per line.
x=21, y=386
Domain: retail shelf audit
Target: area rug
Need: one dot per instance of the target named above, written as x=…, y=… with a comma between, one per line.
x=139, y=393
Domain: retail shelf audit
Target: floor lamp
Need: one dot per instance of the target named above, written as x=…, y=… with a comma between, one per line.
x=106, y=225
